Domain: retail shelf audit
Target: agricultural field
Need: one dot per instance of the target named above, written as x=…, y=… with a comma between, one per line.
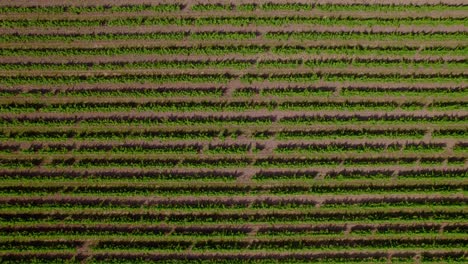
x=216, y=132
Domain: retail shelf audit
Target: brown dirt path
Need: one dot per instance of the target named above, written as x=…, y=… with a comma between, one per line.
x=82, y=44
x=135, y=58
x=25, y=3
x=314, y=13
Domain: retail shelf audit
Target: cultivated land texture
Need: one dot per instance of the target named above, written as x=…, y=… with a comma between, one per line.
x=321, y=131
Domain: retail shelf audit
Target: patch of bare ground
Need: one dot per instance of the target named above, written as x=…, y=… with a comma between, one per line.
x=209, y=228
x=237, y=73
x=248, y=115
x=84, y=252
x=26, y=3
x=247, y=174
x=84, y=145
x=264, y=85
x=122, y=59
x=259, y=30
x=314, y=13
x=230, y=201
x=318, y=255
x=96, y=44
x=217, y=215
x=226, y=100
x=194, y=173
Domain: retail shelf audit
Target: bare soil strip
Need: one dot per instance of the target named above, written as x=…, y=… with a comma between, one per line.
x=83, y=44
x=87, y=186
x=111, y=15
x=26, y=3
x=235, y=73
x=331, y=86
x=226, y=214
x=267, y=57
x=272, y=102
x=133, y=172
x=283, y=159
x=213, y=131
x=73, y=144
x=259, y=30
x=226, y=115
x=233, y=200
x=242, y=228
